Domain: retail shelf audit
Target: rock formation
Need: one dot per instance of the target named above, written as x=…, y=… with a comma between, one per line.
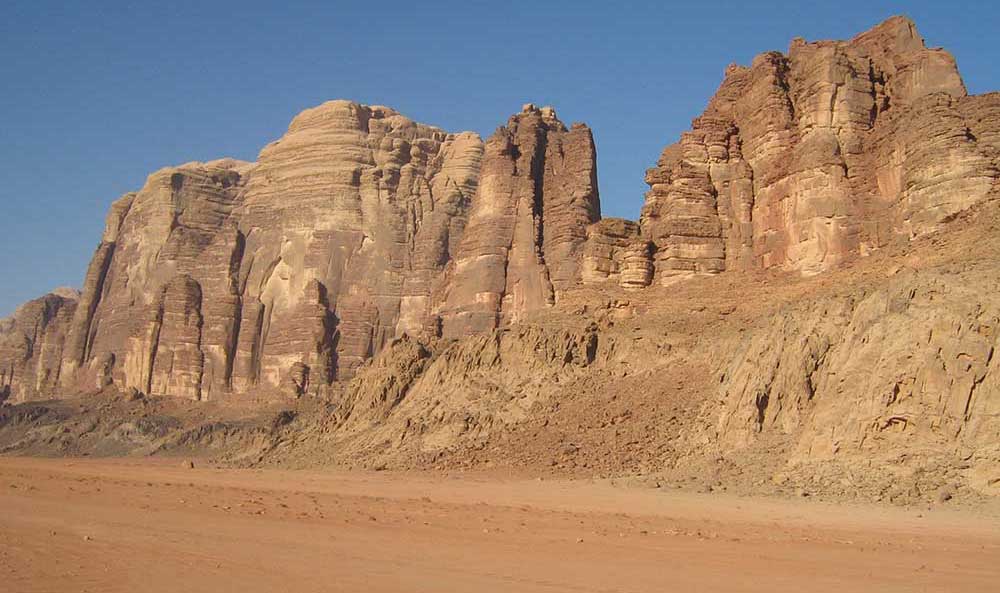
x=360, y=226
x=404, y=274
x=33, y=344
x=914, y=359
x=616, y=250
x=537, y=195
x=802, y=161
x=286, y=274
x=156, y=309
x=468, y=387
x=906, y=372
x=347, y=220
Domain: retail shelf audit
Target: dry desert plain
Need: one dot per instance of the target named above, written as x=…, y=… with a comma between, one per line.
x=158, y=525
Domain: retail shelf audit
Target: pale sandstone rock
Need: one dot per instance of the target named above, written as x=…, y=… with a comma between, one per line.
x=178, y=363
x=366, y=203
x=910, y=367
x=537, y=194
x=285, y=275
x=360, y=226
x=32, y=346
x=163, y=249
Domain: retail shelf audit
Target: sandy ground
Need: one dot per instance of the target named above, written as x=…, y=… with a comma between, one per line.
x=152, y=525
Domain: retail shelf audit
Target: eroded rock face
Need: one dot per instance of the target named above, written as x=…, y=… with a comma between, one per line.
x=355, y=211
x=528, y=224
x=432, y=396
x=32, y=345
x=616, y=251
x=804, y=160
x=158, y=299
x=911, y=366
x=280, y=275
x=286, y=274
x=360, y=226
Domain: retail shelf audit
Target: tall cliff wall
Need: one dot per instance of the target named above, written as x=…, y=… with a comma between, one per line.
x=359, y=225
x=805, y=160
x=286, y=274
x=537, y=195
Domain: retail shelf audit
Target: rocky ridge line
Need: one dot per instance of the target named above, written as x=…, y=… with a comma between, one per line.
x=360, y=226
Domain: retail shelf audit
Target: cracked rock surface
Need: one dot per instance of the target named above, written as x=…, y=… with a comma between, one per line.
x=805, y=160
x=359, y=227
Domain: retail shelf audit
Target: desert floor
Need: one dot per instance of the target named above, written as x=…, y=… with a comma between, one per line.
x=156, y=525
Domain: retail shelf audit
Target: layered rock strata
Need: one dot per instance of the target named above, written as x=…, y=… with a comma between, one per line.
x=360, y=226
x=527, y=226
x=616, y=251
x=33, y=343
x=802, y=161
x=348, y=220
x=286, y=274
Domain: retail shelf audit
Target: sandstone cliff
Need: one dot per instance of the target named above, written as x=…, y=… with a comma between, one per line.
x=360, y=226
x=805, y=160
x=537, y=195
x=285, y=274
x=33, y=344
x=877, y=380
x=459, y=302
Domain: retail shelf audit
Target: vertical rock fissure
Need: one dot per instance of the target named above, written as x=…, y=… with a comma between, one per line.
x=538, y=197
x=154, y=345
x=92, y=304
x=233, y=342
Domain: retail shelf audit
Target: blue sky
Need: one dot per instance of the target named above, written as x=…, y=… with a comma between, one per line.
x=96, y=95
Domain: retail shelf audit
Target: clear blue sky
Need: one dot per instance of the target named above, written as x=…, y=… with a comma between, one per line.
x=96, y=95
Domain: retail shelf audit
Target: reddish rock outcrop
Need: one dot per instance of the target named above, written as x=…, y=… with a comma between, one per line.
x=537, y=195
x=360, y=226
x=802, y=161
x=616, y=251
